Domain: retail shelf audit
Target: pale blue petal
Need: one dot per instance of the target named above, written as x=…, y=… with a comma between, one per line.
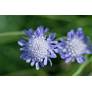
x=40, y=31
x=37, y=66
x=51, y=36
x=56, y=50
x=53, y=42
x=21, y=42
x=29, y=32
x=80, y=33
x=88, y=51
x=70, y=35
x=52, y=54
x=67, y=60
x=28, y=60
x=45, y=61
x=32, y=63
x=80, y=59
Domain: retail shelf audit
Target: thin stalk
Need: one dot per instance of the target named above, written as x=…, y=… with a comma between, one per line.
x=81, y=68
x=10, y=34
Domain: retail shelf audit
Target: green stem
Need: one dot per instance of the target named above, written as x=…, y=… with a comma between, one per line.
x=81, y=68
x=11, y=34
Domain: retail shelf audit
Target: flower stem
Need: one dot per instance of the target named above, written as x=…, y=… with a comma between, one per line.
x=10, y=34
x=81, y=68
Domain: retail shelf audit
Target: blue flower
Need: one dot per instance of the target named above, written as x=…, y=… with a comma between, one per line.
x=74, y=46
x=38, y=49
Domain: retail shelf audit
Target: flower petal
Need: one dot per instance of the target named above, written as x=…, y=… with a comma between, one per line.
x=29, y=32
x=40, y=31
x=80, y=59
x=56, y=50
x=80, y=33
x=67, y=60
x=88, y=51
x=45, y=61
x=70, y=35
x=32, y=63
x=52, y=54
x=37, y=66
x=28, y=60
x=21, y=42
x=24, y=56
x=51, y=36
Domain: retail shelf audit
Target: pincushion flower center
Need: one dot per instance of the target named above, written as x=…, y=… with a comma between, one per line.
x=77, y=46
x=39, y=48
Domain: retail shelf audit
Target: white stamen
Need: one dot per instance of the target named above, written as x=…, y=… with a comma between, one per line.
x=39, y=48
x=77, y=46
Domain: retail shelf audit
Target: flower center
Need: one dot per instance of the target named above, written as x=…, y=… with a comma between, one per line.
x=77, y=46
x=39, y=48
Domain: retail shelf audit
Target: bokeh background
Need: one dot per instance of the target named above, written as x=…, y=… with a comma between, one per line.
x=11, y=30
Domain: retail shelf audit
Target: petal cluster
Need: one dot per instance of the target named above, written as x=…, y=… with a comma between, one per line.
x=38, y=49
x=74, y=46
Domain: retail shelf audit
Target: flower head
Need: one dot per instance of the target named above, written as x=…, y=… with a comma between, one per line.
x=75, y=46
x=38, y=49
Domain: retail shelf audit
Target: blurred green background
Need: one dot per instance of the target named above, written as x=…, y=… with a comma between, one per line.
x=11, y=30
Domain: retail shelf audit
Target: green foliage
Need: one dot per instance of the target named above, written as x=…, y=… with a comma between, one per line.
x=11, y=30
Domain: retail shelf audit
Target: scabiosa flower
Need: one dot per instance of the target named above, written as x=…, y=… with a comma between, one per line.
x=39, y=49
x=74, y=46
